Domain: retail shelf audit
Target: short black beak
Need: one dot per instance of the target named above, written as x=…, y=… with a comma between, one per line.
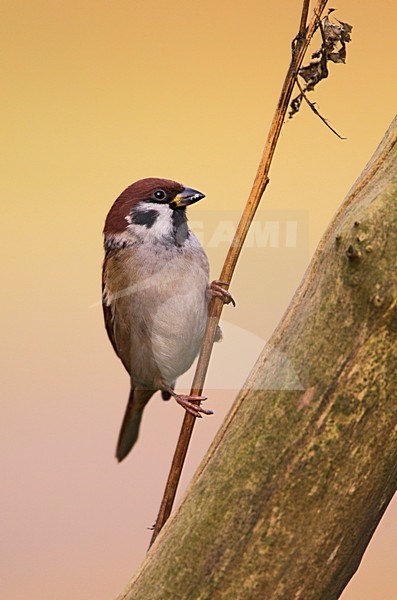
x=185, y=198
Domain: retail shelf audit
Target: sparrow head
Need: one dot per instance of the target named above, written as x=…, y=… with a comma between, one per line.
x=152, y=203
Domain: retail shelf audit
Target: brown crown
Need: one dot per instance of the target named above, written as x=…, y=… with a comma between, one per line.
x=139, y=191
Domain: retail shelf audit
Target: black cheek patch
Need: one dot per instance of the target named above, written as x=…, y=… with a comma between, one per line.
x=144, y=217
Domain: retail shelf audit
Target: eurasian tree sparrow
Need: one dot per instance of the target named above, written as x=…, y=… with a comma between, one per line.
x=155, y=294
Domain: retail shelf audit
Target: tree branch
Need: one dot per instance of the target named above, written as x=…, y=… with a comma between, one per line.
x=296, y=481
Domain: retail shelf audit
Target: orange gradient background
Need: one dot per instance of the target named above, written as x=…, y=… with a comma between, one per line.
x=97, y=94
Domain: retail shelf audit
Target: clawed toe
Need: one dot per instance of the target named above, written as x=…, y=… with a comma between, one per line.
x=218, y=291
x=189, y=403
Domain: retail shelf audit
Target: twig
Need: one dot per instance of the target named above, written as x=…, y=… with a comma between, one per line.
x=305, y=12
x=316, y=111
x=216, y=305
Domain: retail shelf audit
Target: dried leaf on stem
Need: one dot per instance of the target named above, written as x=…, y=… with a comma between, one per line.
x=335, y=35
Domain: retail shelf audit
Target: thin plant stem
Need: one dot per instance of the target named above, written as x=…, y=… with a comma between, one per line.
x=312, y=106
x=305, y=12
x=261, y=180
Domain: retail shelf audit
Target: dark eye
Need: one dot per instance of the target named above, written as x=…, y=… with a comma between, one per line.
x=159, y=194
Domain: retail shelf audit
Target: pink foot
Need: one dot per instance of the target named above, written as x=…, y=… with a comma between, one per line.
x=216, y=290
x=190, y=404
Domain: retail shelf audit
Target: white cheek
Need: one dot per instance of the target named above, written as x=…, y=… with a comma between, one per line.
x=163, y=226
x=161, y=229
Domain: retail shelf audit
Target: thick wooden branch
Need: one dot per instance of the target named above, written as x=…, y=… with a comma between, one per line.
x=295, y=483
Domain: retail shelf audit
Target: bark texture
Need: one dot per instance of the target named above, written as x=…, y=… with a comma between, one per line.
x=296, y=481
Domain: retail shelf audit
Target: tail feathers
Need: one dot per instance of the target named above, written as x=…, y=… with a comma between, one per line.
x=132, y=419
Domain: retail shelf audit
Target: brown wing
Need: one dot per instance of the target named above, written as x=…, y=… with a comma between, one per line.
x=117, y=277
x=107, y=309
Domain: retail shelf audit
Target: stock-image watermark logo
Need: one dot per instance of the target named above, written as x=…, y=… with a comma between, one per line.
x=269, y=229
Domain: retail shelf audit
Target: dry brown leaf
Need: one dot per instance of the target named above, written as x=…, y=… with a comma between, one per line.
x=335, y=35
